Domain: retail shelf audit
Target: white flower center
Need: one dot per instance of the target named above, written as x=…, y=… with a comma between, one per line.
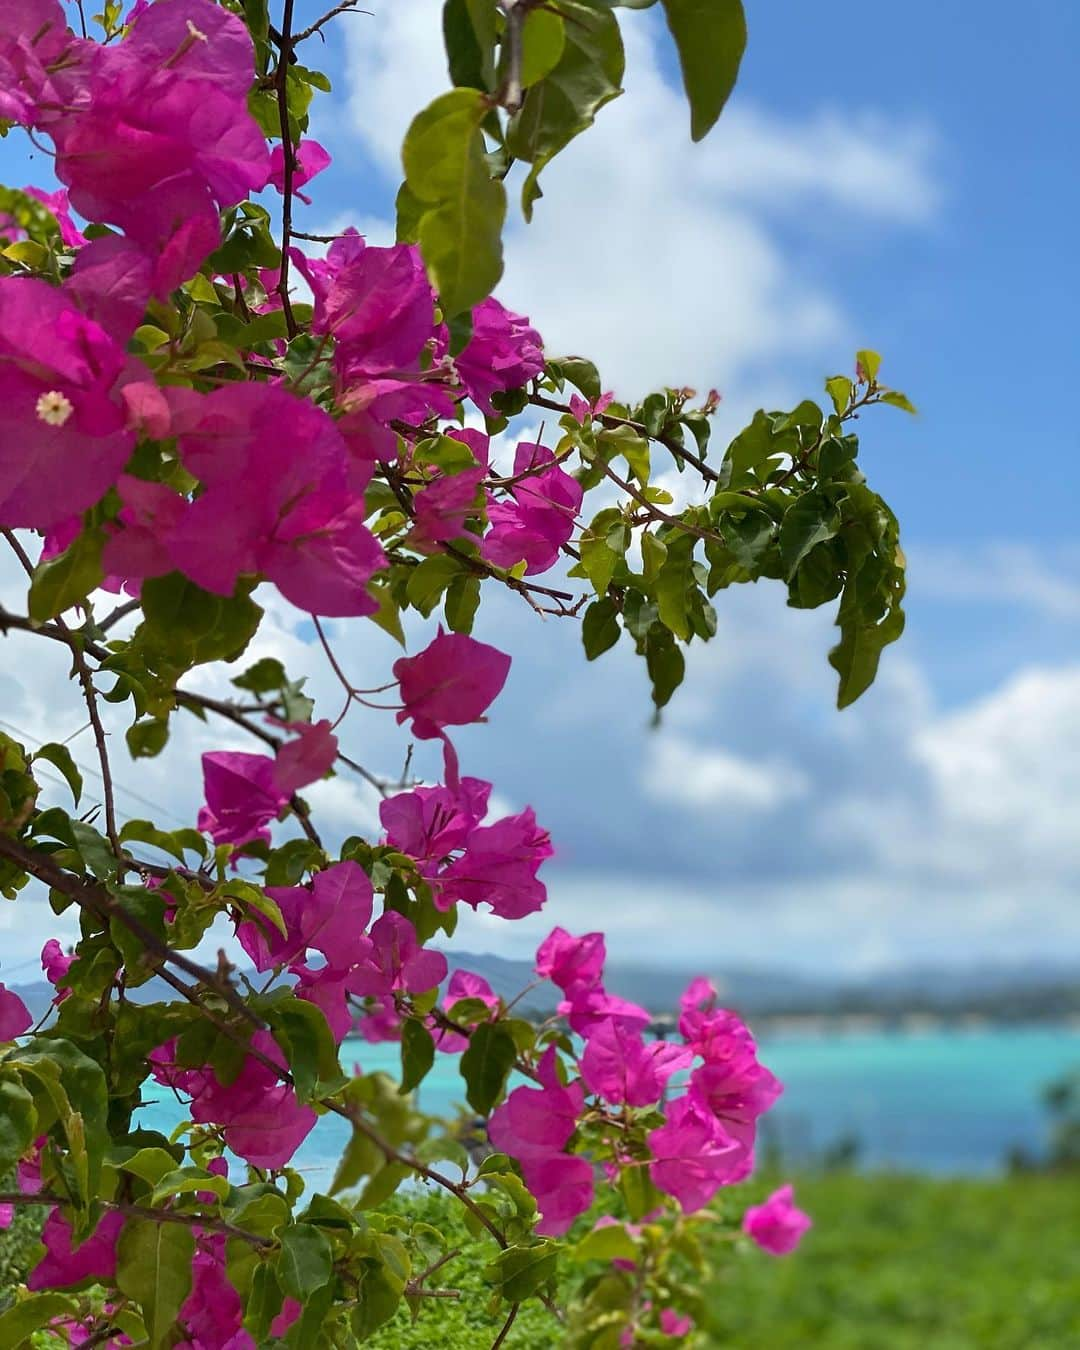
x=196, y=33
x=54, y=408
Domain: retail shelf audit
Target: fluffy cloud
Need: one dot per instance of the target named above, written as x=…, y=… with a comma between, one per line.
x=715, y=780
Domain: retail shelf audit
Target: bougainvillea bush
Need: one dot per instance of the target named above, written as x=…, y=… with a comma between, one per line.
x=199, y=405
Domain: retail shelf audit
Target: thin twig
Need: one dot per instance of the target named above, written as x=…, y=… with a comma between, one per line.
x=281, y=83
x=209, y=1221
x=510, y=1320
x=346, y=7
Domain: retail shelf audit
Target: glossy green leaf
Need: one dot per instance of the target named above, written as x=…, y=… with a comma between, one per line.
x=486, y=1064
x=521, y=1271
x=710, y=36
x=417, y=1055
x=60, y=757
x=600, y=628
x=306, y=1260
x=67, y=579
x=810, y=520
x=19, y=1322
x=460, y=231
x=588, y=75
x=17, y=1121
x=153, y=1268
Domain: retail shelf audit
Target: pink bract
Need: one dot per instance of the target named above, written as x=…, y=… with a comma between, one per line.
x=14, y=1015
x=777, y=1226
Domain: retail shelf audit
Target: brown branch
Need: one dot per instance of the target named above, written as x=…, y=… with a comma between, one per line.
x=209, y=1221
x=281, y=84
x=510, y=1320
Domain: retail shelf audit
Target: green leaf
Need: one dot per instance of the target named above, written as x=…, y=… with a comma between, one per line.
x=603, y=546
x=20, y=1322
x=808, y=521
x=301, y=1029
x=417, y=1055
x=543, y=40
x=665, y=664
x=153, y=1268
x=148, y=738
x=460, y=232
x=384, y=1182
x=306, y=1260
x=612, y=1243
x=67, y=579
x=522, y=1271
x=868, y=363
x=858, y=653
x=462, y=602
x=710, y=36
x=17, y=1121
x=60, y=756
x=640, y=1194
x=588, y=75
x=429, y=579
x=266, y=676
x=174, y=842
x=675, y=584
x=486, y=1064
x=895, y=399
x=185, y=626
x=469, y=38
x=600, y=628
x=76, y=1086
x=839, y=389
x=360, y=1159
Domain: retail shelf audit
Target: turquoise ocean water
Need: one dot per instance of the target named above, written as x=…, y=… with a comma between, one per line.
x=943, y=1101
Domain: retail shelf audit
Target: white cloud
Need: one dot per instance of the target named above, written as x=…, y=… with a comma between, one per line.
x=1045, y=581
x=681, y=773
x=658, y=258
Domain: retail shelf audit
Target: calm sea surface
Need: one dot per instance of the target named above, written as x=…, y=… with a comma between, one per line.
x=938, y=1101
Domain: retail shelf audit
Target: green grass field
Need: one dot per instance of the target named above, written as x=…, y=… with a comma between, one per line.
x=892, y=1263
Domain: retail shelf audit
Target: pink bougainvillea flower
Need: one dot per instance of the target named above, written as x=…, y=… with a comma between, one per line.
x=619, y=1067
x=34, y=35
x=693, y=1155
x=499, y=868
x=537, y=1121
x=311, y=159
x=582, y=410
x=431, y=824
x=452, y=682
x=241, y=796
x=135, y=547
x=111, y=282
x=534, y=525
x=381, y=1022
x=56, y=203
x=586, y=1008
x=395, y=961
x=260, y=1117
x=62, y=436
x=563, y=1186
x=376, y=302
x=504, y=352
x=463, y=984
x=573, y=963
x=244, y=791
x=699, y=995
x=443, y=506
x=56, y=965
x=307, y=758
x=777, y=1225
x=302, y=528
x=328, y=989
x=330, y=916
x=14, y=1015
x=672, y=1324
x=212, y=1315
x=93, y=1259
x=7, y=1216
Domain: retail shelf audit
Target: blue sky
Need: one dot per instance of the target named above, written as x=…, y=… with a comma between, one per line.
x=901, y=184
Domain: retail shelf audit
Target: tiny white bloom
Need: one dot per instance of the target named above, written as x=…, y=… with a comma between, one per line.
x=54, y=408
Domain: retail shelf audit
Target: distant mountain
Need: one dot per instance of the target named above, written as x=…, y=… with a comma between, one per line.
x=1019, y=991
